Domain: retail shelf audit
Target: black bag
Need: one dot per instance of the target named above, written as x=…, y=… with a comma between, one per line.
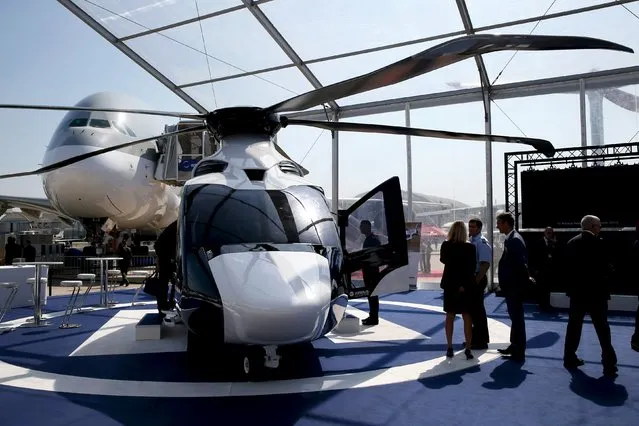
x=152, y=285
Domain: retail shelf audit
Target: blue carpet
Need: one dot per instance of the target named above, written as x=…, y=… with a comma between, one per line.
x=540, y=391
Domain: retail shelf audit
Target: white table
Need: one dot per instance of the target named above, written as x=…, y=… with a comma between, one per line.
x=104, y=283
x=37, y=285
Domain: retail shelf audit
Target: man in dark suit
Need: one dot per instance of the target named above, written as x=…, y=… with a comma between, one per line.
x=370, y=273
x=543, y=267
x=29, y=252
x=513, y=277
x=634, y=341
x=588, y=292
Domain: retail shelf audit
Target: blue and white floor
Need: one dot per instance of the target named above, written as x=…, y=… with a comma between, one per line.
x=395, y=373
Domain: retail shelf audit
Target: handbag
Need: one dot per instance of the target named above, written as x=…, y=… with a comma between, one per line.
x=152, y=285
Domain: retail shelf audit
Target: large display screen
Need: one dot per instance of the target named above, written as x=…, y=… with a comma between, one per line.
x=561, y=197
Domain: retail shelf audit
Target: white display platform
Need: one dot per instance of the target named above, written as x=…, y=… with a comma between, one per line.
x=616, y=302
x=19, y=275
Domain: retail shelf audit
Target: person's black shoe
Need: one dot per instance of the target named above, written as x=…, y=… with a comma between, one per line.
x=449, y=353
x=370, y=321
x=635, y=345
x=518, y=357
x=507, y=351
x=610, y=371
x=573, y=363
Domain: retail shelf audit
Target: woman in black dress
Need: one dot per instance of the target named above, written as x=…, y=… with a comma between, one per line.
x=459, y=259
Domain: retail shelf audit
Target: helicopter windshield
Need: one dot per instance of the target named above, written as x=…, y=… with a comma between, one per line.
x=216, y=216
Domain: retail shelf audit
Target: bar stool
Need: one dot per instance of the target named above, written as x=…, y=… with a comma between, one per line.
x=113, y=275
x=143, y=274
x=91, y=281
x=13, y=290
x=72, y=301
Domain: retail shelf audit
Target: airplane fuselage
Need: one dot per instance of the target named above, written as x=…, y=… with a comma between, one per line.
x=118, y=185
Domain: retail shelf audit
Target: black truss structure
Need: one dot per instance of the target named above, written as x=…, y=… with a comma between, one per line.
x=583, y=156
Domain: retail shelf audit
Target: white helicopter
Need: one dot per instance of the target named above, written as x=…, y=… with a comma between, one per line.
x=262, y=261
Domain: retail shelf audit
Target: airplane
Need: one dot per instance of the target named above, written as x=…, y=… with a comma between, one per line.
x=263, y=264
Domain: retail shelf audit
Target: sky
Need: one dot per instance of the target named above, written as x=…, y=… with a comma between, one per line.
x=51, y=57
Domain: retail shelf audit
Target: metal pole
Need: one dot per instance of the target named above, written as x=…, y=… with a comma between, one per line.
x=489, y=184
x=335, y=164
x=582, y=112
x=409, y=168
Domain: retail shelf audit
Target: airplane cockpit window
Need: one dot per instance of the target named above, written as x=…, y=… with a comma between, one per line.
x=128, y=130
x=119, y=127
x=79, y=122
x=216, y=215
x=99, y=123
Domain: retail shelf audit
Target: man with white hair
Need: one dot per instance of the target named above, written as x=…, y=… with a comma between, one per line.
x=588, y=291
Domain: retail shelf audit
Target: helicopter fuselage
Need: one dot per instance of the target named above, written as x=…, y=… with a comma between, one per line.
x=260, y=254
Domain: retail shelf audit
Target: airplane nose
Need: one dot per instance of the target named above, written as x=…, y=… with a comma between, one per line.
x=272, y=297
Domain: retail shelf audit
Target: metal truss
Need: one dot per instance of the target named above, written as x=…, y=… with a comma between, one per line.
x=588, y=156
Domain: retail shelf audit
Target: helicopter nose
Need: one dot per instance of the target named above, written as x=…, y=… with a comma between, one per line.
x=273, y=297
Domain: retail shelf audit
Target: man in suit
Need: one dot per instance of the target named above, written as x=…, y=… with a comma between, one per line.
x=588, y=292
x=370, y=273
x=543, y=267
x=513, y=277
x=634, y=341
x=29, y=252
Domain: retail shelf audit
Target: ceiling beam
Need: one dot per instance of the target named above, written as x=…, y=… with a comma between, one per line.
x=468, y=27
x=283, y=44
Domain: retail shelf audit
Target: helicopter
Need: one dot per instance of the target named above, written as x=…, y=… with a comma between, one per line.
x=263, y=263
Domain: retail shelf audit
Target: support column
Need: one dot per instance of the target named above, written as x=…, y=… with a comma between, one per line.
x=409, y=168
x=335, y=166
x=490, y=220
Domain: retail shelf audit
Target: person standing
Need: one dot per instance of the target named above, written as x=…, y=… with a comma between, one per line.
x=124, y=251
x=588, y=271
x=370, y=273
x=458, y=282
x=513, y=278
x=483, y=259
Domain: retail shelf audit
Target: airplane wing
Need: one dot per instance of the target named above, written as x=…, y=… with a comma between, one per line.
x=32, y=207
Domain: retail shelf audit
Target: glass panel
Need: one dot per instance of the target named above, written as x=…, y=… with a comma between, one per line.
x=99, y=123
x=439, y=80
x=488, y=12
x=256, y=90
x=232, y=43
x=318, y=29
x=598, y=24
x=128, y=17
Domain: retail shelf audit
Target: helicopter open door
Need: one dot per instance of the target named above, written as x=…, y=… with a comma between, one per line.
x=388, y=252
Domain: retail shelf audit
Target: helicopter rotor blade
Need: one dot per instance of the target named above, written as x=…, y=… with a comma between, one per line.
x=540, y=145
x=439, y=56
x=129, y=111
x=81, y=157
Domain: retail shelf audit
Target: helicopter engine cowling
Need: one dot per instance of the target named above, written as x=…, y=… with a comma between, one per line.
x=273, y=297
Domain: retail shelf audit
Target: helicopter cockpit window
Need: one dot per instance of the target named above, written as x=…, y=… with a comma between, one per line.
x=217, y=215
x=99, y=123
x=79, y=122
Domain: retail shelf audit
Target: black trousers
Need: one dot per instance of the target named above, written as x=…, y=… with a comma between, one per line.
x=478, y=314
x=515, y=305
x=635, y=337
x=371, y=279
x=598, y=311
